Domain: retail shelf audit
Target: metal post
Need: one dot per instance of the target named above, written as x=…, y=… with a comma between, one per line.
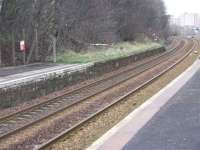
x=24, y=52
x=54, y=50
x=36, y=45
x=13, y=49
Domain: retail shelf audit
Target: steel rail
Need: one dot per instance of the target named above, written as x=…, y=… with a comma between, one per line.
x=57, y=111
x=91, y=84
x=64, y=133
x=47, y=116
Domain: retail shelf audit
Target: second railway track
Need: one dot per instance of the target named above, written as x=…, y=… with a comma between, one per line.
x=21, y=120
x=108, y=103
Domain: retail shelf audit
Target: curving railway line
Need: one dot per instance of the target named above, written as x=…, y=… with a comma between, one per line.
x=126, y=94
x=84, y=103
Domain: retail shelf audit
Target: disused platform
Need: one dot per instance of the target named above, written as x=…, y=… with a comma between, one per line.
x=6, y=71
x=25, y=83
x=170, y=120
x=12, y=76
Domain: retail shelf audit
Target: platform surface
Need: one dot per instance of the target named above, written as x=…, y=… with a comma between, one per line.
x=18, y=74
x=7, y=71
x=170, y=120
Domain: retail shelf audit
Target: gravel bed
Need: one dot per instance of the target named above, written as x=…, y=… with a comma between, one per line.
x=82, y=137
x=32, y=133
x=59, y=122
x=50, y=125
x=24, y=105
x=28, y=104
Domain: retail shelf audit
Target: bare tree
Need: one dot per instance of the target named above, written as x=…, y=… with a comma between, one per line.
x=75, y=23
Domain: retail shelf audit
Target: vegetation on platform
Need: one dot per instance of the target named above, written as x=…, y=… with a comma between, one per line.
x=74, y=24
x=107, y=53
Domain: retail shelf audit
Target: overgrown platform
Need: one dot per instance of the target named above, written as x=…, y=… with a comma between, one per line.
x=30, y=82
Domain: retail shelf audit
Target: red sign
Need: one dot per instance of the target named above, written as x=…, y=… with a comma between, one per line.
x=22, y=46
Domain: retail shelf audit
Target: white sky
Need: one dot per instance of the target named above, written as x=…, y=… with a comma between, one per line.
x=177, y=7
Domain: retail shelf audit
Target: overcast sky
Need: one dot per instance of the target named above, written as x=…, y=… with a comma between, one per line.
x=177, y=7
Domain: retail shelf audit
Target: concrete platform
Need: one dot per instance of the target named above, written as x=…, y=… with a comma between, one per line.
x=12, y=76
x=170, y=120
x=6, y=71
x=26, y=83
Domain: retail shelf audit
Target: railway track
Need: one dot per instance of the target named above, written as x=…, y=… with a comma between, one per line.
x=176, y=46
x=101, y=108
x=173, y=44
x=16, y=122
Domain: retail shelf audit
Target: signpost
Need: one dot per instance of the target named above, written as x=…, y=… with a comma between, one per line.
x=13, y=48
x=23, y=46
x=23, y=49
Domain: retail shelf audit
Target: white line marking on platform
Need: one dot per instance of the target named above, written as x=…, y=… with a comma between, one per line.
x=119, y=135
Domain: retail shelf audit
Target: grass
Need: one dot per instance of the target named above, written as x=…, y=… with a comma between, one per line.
x=102, y=54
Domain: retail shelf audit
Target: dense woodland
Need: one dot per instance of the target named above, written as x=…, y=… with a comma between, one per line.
x=74, y=24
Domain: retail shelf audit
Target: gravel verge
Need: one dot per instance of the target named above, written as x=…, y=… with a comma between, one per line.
x=82, y=137
x=48, y=128
x=28, y=104
x=16, y=139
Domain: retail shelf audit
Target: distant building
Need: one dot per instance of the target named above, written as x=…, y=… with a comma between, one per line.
x=174, y=20
x=187, y=19
x=1, y=4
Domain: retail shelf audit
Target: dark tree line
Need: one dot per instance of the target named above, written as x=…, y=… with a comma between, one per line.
x=76, y=23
